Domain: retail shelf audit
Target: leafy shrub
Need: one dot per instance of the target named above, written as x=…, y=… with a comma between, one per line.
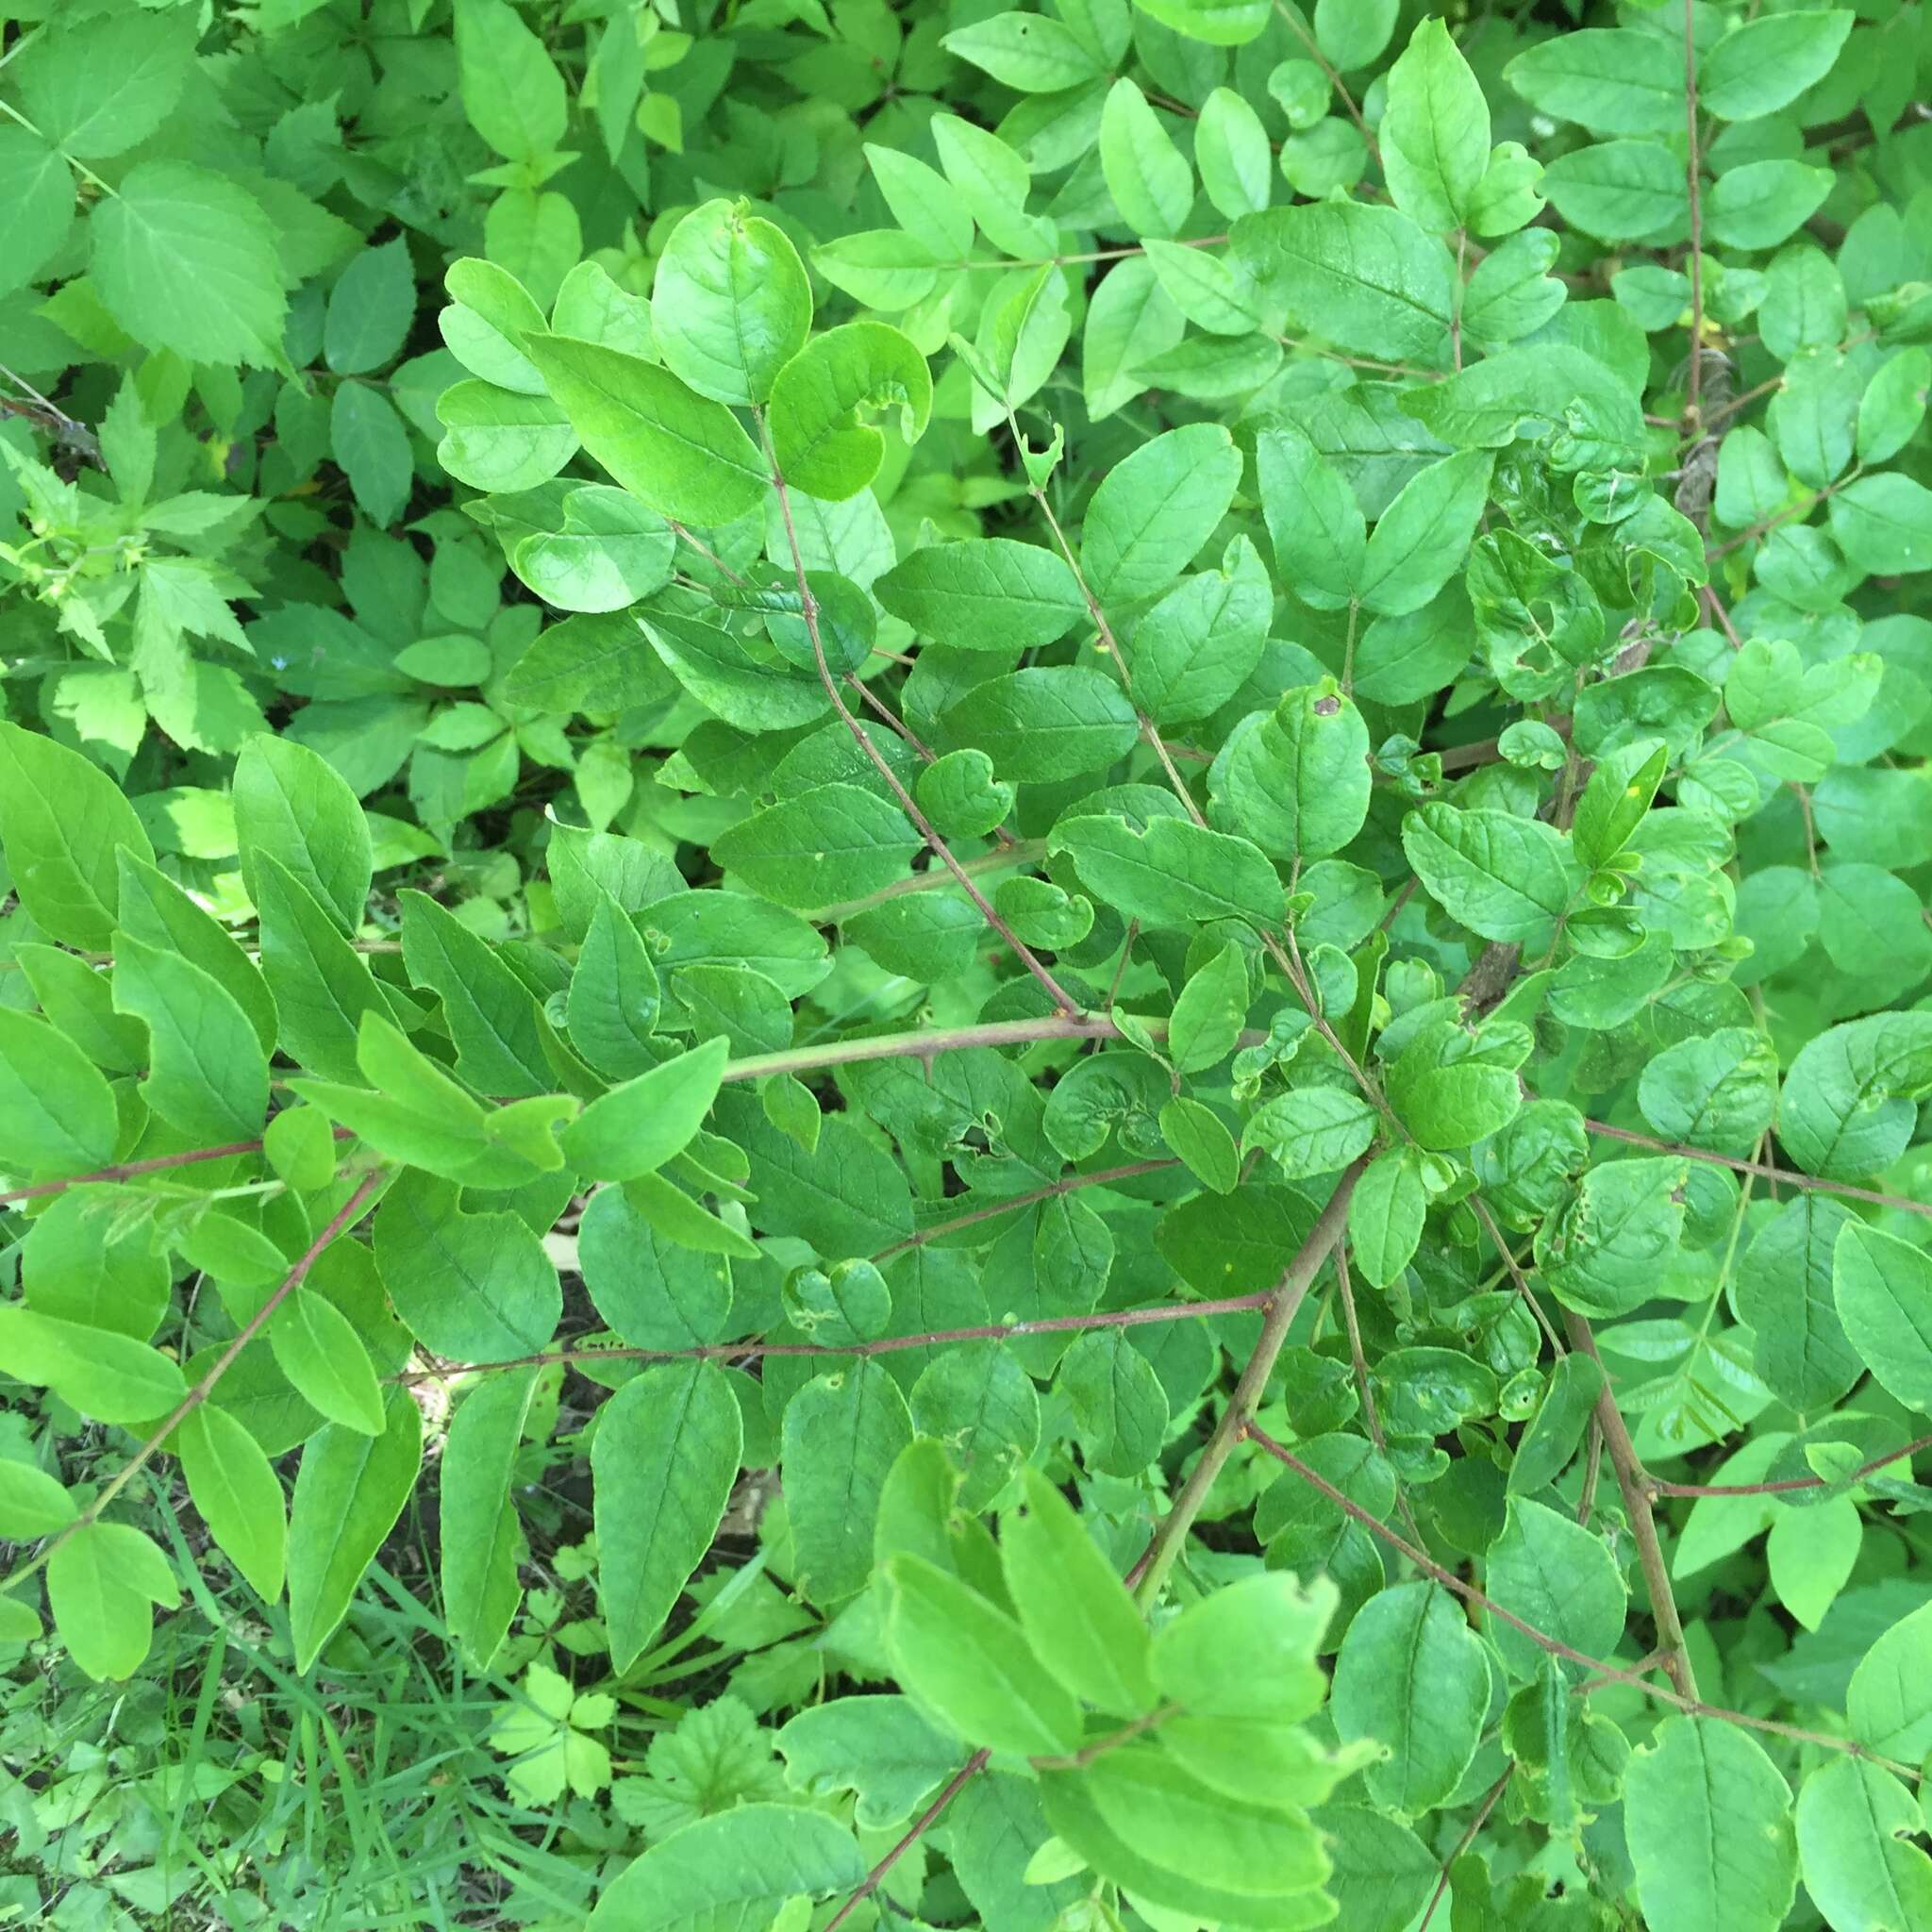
x=1102, y=832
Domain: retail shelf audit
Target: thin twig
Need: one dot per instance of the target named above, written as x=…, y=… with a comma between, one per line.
x=1693, y=168
x=1790, y=1176
x=1283, y=1306
x=1634, y=1481
x=907, y=803
x=1555, y=1647
x=345, y=1216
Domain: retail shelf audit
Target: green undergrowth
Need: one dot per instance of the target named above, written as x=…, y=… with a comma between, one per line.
x=965, y=968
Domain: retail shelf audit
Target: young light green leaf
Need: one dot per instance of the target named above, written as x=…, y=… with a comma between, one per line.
x=1698, y=1790
x=103, y=1579
x=637, y=1127
x=665, y=1457
x=349, y=1491
x=683, y=453
x=1434, y=132
x=819, y=438
x=731, y=302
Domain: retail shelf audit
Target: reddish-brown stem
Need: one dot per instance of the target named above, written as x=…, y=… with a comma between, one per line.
x=1463, y=1843
x=907, y=803
x=1283, y=1305
x=1067, y=1183
x=1634, y=1481
x=128, y=1169
x=345, y=1218
x=1658, y=1487
x=914, y=1832
x=885, y=1344
x=1694, y=395
x=1790, y=1176
x=1595, y=1666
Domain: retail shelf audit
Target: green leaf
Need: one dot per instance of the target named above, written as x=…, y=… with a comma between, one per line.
x=1031, y=52
x=498, y=440
x=834, y=842
x=322, y=989
x=57, y=1112
x=1883, y=523
x=1504, y=877
x=349, y=1491
x=1174, y=873
x=513, y=93
x=989, y=594
x=664, y=1460
x=1694, y=1798
x=731, y=304
x=880, y=1747
x=1045, y=723
x=1434, y=131
x=1762, y=65
x=1386, y=1215
x=1231, y=151
x=1450, y=1088
x=842, y=1432
x=1716, y=1092
x=637, y=1127
x=1364, y=277
x=370, y=309
x=819, y=439
x=1616, y=798
x=1312, y=1130
x=1424, y=535
x=207, y=1074
x=1555, y=1432
x=490, y=1012
x=614, y=998
x=65, y=822
x=739, y=1869
x=112, y=1377
x=1314, y=522
x=1248, y=1650
x=102, y=1580
x=1079, y=1618
x=95, y=86
x=1760, y=204
x=1882, y=1289
x=683, y=453
x=1413, y=1675
x=1548, y=1570
x=291, y=804
x=32, y=1503
x=1846, y=1109
x=1615, y=80
x=477, y=1515
x=1297, y=780
x=1602, y=1254
x=1621, y=191
x=37, y=193
x=317, y=1348
x=238, y=1493
x=1206, y=1019
x=970, y=1662
x=1117, y=1400
x=1150, y=180
x=371, y=448
x=473, y=1287
x=185, y=260
x=1153, y=511
x=922, y=201
x=1856, y=1823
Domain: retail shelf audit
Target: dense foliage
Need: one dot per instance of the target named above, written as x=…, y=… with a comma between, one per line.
x=965, y=966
